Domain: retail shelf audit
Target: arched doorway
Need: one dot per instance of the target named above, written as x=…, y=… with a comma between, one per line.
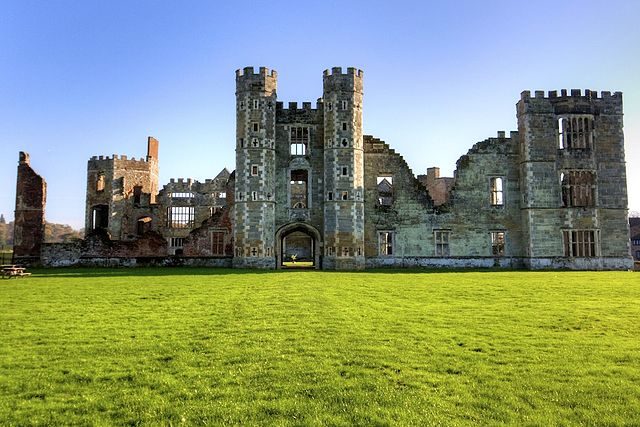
x=300, y=240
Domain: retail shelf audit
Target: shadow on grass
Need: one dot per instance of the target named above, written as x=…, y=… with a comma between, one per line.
x=214, y=271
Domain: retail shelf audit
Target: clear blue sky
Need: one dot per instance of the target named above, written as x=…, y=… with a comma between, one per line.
x=83, y=78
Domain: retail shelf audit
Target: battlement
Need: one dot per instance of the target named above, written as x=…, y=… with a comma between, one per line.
x=263, y=71
x=337, y=71
x=120, y=157
x=553, y=94
x=293, y=106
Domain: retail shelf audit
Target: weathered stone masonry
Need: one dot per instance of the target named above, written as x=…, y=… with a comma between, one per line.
x=310, y=186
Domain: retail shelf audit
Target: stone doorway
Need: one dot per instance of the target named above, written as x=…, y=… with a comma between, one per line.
x=298, y=246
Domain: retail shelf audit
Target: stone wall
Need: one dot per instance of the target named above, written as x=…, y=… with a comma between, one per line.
x=31, y=195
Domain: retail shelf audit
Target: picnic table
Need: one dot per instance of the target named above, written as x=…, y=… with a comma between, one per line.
x=9, y=271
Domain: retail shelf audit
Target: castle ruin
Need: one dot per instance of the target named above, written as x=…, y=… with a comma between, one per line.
x=309, y=185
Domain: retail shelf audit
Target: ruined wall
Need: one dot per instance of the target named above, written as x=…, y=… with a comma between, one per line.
x=31, y=195
x=121, y=191
x=437, y=186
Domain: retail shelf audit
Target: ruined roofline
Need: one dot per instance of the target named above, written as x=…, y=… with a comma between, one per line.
x=588, y=93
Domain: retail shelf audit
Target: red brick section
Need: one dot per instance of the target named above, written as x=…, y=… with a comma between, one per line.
x=31, y=195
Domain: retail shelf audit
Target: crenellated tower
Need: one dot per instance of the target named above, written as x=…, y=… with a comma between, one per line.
x=573, y=179
x=254, y=215
x=343, y=170
x=120, y=190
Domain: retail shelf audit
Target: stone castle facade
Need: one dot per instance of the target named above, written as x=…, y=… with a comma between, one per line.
x=309, y=183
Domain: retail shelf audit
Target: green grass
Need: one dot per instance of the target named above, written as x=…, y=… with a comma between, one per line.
x=199, y=346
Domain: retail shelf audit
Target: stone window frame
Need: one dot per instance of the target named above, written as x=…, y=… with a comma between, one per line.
x=344, y=104
x=442, y=242
x=384, y=200
x=254, y=170
x=578, y=188
x=345, y=126
x=218, y=245
x=330, y=196
x=344, y=195
x=300, y=144
x=330, y=250
x=180, y=216
x=386, y=243
x=254, y=196
x=498, y=247
x=100, y=182
x=256, y=104
x=496, y=190
x=176, y=242
x=576, y=131
x=345, y=252
x=581, y=243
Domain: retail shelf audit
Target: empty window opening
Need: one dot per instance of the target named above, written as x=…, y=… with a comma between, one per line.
x=255, y=104
x=100, y=182
x=344, y=105
x=180, y=216
x=176, y=242
x=330, y=195
x=329, y=106
x=137, y=194
x=575, y=132
x=345, y=251
x=241, y=142
x=385, y=190
x=100, y=217
x=181, y=195
x=242, y=105
x=254, y=170
x=579, y=243
x=578, y=188
x=143, y=225
x=222, y=195
x=331, y=250
x=442, y=242
x=344, y=125
x=217, y=243
x=497, y=243
x=299, y=140
x=345, y=142
x=299, y=188
x=345, y=195
x=385, y=243
x=254, y=195
x=497, y=194
x=255, y=127
x=345, y=171
x=254, y=252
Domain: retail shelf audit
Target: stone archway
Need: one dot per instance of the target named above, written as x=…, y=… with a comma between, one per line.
x=300, y=232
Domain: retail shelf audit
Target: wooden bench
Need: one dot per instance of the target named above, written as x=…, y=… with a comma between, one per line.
x=9, y=271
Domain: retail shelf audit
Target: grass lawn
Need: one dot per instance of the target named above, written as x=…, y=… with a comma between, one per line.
x=203, y=346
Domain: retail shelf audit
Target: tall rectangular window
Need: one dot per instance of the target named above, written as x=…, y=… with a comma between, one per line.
x=442, y=242
x=580, y=243
x=385, y=241
x=578, y=188
x=497, y=243
x=254, y=170
x=176, y=242
x=299, y=139
x=385, y=191
x=575, y=132
x=180, y=216
x=497, y=194
x=217, y=243
x=100, y=182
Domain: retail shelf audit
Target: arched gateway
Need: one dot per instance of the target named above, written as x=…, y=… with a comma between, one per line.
x=300, y=239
